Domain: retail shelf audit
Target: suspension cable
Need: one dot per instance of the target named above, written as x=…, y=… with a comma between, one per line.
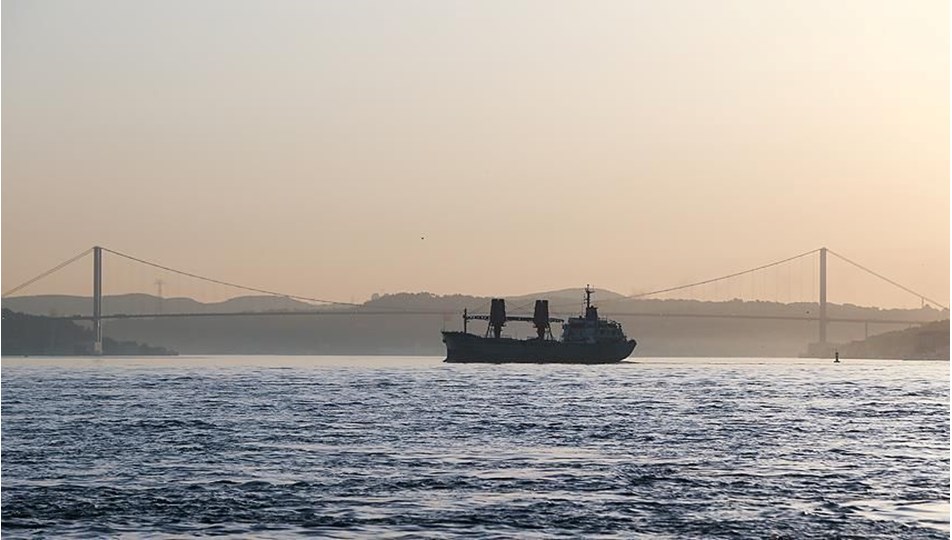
x=886, y=279
x=728, y=276
x=705, y=282
x=235, y=285
x=48, y=272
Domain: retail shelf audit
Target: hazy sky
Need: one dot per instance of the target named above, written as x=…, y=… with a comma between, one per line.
x=308, y=146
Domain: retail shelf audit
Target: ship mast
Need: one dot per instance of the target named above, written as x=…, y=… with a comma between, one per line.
x=591, y=312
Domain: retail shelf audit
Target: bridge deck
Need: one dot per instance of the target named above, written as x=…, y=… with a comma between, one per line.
x=368, y=312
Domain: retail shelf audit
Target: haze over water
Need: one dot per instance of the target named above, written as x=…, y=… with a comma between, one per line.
x=403, y=447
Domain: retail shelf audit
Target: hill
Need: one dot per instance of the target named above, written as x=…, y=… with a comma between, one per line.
x=926, y=342
x=662, y=327
x=62, y=305
x=32, y=335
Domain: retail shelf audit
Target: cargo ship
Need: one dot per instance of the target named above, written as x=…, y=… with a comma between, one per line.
x=585, y=340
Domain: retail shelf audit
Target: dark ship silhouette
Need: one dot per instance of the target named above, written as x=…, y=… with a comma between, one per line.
x=585, y=340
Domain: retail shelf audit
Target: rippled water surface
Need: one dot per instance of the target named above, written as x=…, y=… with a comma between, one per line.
x=406, y=447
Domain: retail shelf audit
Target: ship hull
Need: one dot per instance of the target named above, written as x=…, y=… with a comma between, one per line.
x=468, y=348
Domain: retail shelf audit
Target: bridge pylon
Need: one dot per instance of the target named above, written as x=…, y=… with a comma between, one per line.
x=823, y=318
x=97, y=300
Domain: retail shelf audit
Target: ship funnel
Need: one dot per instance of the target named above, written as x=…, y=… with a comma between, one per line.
x=497, y=316
x=541, y=317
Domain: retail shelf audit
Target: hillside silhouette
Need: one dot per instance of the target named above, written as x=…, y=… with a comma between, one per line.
x=926, y=342
x=337, y=332
x=33, y=335
x=419, y=334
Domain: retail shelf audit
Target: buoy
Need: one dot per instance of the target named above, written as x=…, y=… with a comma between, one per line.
x=837, y=359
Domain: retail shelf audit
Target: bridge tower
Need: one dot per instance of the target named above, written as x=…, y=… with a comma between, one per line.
x=823, y=320
x=97, y=300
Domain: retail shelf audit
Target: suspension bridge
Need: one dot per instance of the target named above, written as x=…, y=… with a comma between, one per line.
x=333, y=308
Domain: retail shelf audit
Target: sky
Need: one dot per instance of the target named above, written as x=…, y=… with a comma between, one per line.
x=340, y=149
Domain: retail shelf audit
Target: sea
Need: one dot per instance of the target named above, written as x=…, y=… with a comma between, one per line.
x=411, y=447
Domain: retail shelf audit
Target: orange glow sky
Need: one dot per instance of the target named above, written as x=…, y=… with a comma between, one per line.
x=307, y=146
